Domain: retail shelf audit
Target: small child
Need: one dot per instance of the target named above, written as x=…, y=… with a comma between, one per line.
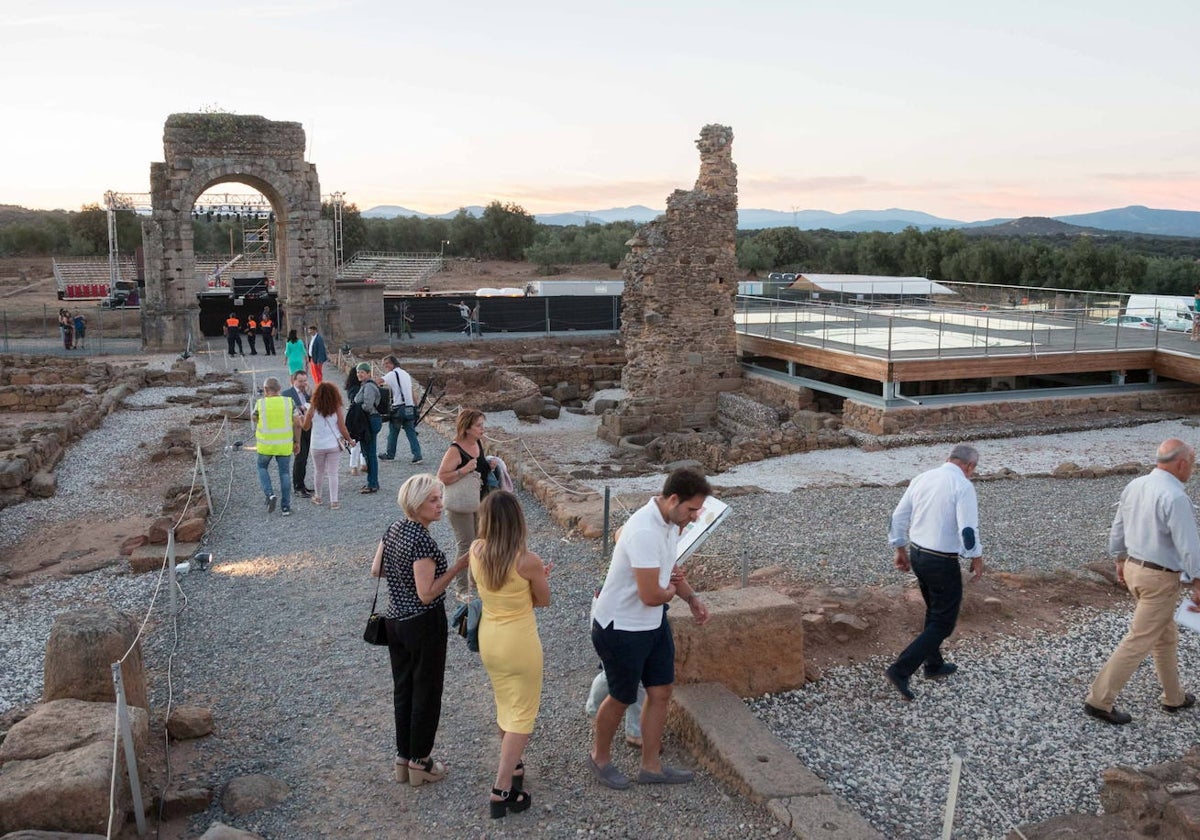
x=633, y=714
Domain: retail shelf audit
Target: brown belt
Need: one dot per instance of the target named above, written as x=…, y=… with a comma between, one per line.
x=1146, y=564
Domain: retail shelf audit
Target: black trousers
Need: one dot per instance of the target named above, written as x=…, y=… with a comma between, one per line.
x=300, y=464
x=417, y=648
x=268, y=344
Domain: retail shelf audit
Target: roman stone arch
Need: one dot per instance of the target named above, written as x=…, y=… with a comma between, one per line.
x=202, y=151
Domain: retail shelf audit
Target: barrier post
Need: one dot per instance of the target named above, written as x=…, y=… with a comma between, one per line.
x=547, y=300
x=204, y=477
x=171, y=572
x=952, y=797
x=607, y=499
x=135, y=784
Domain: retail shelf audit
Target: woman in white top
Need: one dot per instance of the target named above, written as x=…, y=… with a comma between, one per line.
x=328, y=423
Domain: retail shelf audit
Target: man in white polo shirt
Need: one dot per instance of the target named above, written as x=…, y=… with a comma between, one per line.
x=936, y=523
x=630, y=630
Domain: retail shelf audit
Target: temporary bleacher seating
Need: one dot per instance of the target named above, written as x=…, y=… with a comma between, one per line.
x=403, y=272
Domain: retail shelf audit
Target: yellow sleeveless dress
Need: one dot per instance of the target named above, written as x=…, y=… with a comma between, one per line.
x=510, y=649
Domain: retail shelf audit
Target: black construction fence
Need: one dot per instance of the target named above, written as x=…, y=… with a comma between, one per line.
x=505, y=314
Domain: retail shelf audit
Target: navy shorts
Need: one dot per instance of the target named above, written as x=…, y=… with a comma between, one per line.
x=631, y=657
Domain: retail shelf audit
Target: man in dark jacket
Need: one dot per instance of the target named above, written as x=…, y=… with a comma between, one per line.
x=316, y=355
x=301, y=395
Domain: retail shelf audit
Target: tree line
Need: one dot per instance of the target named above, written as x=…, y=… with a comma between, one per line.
x=1152, y=265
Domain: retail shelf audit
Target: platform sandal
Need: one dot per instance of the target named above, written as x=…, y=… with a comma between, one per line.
x=513, y=800
x=401, y=770
x=425, y=770
x=518, y=777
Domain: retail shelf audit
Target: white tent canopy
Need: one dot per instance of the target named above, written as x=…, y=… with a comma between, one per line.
x=868, y=284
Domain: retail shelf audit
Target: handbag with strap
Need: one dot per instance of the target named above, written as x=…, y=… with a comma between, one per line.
x=466, y=617
x=463, y=495
x=376, y=632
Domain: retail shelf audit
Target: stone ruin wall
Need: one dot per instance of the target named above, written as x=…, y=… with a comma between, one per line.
x=76, y=397
x=204, y=150
x=871, y=420
x=679, y=302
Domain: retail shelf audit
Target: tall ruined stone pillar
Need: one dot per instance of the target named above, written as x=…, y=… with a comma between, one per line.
x=201, y=151
x=678, y=305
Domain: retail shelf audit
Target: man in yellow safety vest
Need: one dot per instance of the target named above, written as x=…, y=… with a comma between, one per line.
x=277, y=435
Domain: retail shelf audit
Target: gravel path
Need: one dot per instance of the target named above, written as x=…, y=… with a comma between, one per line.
x=270, y=640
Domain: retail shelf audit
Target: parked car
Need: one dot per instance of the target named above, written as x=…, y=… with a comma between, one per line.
x=1137, y=322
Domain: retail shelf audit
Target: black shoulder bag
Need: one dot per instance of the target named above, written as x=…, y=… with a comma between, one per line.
x=376, y=632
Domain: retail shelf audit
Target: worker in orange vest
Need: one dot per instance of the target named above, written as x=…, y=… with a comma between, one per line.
x=252, y=333
x=233, y=334
x=267, y=327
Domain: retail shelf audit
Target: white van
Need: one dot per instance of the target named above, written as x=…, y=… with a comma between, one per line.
x=1173, y=311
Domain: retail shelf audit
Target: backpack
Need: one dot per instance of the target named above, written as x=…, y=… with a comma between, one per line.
x=385, y=400
x=357, y=422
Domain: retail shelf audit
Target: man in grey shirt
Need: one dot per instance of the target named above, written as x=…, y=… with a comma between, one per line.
x=1154, y=538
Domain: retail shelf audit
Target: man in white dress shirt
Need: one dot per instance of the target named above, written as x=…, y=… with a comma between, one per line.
x=1153, y=538
x=936, y=523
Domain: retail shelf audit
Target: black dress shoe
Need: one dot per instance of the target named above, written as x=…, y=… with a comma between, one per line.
x=900, y=684
x=1189, y=700
x=300, y=491
x=941, y=671
x=1114, y=717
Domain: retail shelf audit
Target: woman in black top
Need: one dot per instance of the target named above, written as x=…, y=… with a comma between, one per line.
x=351, y=387
x=465, y=456
x=417, y=577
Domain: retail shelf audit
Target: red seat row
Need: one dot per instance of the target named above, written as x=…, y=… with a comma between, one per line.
x=83, y=291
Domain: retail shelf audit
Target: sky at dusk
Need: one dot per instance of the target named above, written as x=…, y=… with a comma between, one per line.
x=968, y=111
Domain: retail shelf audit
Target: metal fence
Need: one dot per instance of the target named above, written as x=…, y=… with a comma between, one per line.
x=105, y=331
x=924, y=329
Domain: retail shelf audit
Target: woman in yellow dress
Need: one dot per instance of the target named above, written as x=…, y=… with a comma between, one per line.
x=512, y=581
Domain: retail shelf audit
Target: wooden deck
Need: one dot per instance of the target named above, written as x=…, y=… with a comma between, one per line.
x=1166, y=362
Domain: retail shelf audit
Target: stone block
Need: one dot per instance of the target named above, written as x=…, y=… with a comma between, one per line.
x=149, y=558
x=83, y=645
x=752, y=644
x=253, y=793
x=824, y=817
x=734, y=744
x=187, y=722
x=57, y=767
x=43, y=485
x=184, y=803
x=220, y=831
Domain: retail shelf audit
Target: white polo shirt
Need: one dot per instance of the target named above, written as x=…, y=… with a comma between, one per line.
x=647, y=542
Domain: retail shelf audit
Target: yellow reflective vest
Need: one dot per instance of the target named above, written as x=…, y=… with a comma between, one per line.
x=273, y=432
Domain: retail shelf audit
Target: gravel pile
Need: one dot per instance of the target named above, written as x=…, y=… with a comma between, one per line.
x=1013, y=711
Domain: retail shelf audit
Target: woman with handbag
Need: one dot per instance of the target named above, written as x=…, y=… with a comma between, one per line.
x=417, y=576
x=368, y=398
x=512, y=581
x=328, y=423
x=466, y=466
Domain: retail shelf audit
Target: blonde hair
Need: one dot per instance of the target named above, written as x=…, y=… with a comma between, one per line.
x=415, y=491
x=502, y=537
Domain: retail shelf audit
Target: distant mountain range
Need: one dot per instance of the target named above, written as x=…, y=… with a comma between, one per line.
x=1133, y=219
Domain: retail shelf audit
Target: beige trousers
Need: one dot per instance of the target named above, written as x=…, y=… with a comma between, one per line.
x=1152, y=631
x=463, y=525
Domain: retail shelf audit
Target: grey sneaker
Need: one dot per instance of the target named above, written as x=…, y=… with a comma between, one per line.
x=287, y=511
x=668, y=776
x=418, y=459
x=271, y=500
